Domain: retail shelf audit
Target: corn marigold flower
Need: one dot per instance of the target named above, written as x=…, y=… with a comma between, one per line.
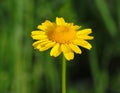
x=61, y=37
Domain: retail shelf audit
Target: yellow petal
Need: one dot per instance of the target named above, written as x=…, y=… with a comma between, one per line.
x=75, y=48
x=42, y=27
x=86, y=37
x=35, y=44
x=37, y=33
x=46, y=46
x=76, y=27
x=38, y=37
x=84, y=32
x=60, y=21
x=82, y=43
x=43, y=44
x=55, y=51
x=68, y=53
x=45, y=25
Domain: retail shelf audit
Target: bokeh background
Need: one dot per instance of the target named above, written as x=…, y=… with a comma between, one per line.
x=25, y=70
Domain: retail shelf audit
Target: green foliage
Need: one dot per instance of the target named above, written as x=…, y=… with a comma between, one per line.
x=25, y=70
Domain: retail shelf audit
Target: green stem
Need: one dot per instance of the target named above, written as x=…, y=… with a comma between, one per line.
x=63, y=75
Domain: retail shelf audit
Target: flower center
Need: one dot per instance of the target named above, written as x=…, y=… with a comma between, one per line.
x=62, y=34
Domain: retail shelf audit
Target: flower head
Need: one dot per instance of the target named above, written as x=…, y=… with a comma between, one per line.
x=61, y=37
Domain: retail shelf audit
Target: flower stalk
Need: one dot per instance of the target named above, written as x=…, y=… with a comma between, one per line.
x=63, y=75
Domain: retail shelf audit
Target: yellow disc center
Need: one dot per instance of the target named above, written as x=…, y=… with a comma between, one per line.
x=62, y=34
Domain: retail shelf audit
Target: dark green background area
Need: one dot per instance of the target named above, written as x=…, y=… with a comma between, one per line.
x=25, y=70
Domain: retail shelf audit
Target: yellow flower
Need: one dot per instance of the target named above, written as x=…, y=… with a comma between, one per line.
x=61, y=37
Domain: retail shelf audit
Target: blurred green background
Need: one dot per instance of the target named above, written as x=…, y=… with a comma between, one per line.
x=25, y=70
